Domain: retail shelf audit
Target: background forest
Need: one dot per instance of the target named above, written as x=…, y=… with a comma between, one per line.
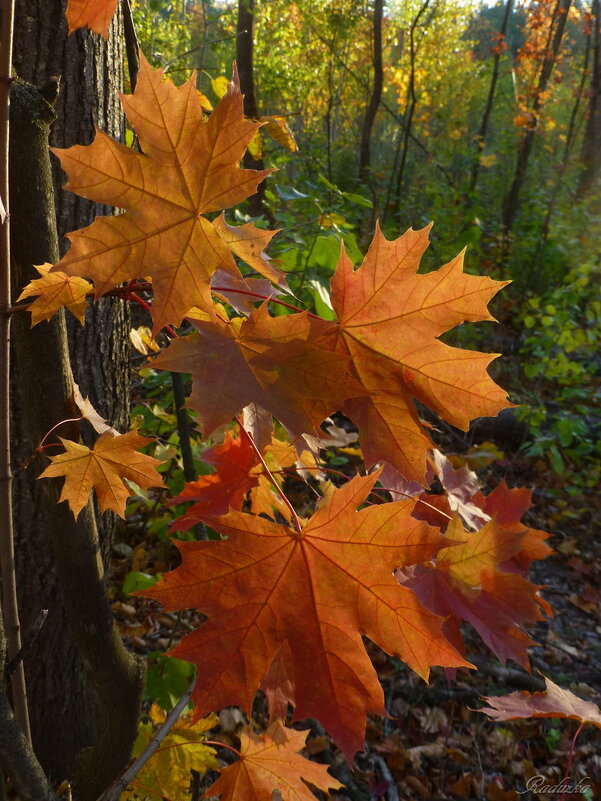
x=483, y=118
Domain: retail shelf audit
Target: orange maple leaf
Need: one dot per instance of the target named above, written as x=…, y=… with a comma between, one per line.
x=465, y=581
x=96, y=14
x=319, y=590
x=273, y=362
x=55, y=290
x=388, y=355
x=103, y=468
x=214, y=494
x=389, y=320
x=189, y=166
x=238, y=472
x=269, y=762
x=507, y=506
x=554, y=703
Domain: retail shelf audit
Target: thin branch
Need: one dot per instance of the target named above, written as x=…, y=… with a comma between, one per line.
x=115, y=790
x=7, y=546
x=29, y=640
x=388, y=108
x=132, y=46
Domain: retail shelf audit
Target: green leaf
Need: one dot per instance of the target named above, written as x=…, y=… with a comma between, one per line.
x=289, y=193
x=321, y=299
x=167, y=679
x=359, y=200
x=135, y=581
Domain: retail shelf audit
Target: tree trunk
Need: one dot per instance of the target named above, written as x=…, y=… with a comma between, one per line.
x=244, y=60
x=481, y=139
x=64, y=707
x=511, y=200
x=591, y=144
x=376, y=94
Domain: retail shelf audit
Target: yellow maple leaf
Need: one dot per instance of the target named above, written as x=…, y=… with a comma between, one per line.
x=103, y=468
x=167, y=772
x=56, y=290
x=278, y=129
x=188, y=167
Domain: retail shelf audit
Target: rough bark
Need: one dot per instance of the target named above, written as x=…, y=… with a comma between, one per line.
x=64, y=707
x=591, y=143
x=44, y=386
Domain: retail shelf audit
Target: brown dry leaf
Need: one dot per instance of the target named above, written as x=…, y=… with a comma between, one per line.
x=89, y=412
x=555, y=702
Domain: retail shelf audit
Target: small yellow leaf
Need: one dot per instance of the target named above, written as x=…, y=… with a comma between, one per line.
x=143, y=341
x=278, y=129
x=56, y=290
x=167, y=772
x=219, y=85
x=205, y=103
x=255, y=147
x=489, y=160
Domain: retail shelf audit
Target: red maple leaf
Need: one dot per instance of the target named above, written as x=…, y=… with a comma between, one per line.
x=317, y=589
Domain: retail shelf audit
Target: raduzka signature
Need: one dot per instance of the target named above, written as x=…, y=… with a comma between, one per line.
x=537, y=784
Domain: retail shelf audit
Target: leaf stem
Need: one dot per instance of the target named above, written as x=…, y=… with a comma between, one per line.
x=40, y=446
x=570, y=758
x=279, y=490
x=270, y=298
x=223, y=745
x=137, y=299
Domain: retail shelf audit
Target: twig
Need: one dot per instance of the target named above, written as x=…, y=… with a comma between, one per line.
x=392, y=792
x=31, y=637
x=115, y=790
x=7, y=546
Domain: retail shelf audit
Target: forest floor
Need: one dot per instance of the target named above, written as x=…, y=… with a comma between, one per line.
x=434, y=746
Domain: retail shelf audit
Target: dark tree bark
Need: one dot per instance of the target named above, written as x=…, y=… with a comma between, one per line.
x=511, y=200
x=244, y=60
x=67, y=715
x=376, y=94
x=591, y=144
x=481, y=139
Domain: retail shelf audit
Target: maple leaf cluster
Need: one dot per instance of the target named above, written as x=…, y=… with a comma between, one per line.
x=288, y=600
